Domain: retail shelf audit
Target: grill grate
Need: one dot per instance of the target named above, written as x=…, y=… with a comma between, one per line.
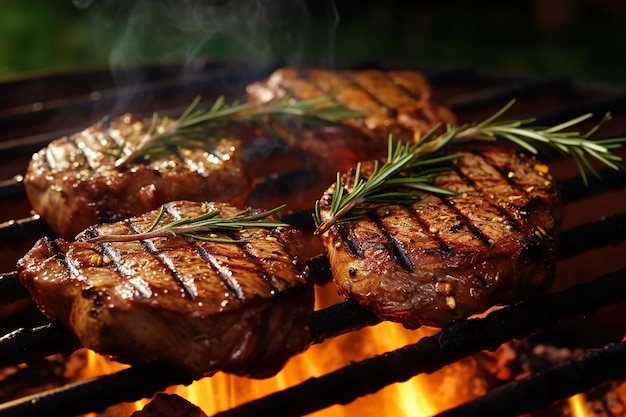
x=472, y=94
x=456, y=341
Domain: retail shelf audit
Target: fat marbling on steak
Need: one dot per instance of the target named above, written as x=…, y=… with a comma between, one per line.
x=446, y=258
x=189, y=304
x=73, y=182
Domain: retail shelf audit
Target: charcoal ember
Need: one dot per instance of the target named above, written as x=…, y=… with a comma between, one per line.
x=520, y=358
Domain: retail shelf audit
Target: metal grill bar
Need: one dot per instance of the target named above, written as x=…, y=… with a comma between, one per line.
x=26, y=146
x=589, y=236
x=13, y=230
x=560, y=382
x=95, y=394
x=574, y=189
x=10, y=289
x=11, y=188
x=24, y=345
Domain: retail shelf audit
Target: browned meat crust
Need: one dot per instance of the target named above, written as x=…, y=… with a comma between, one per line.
x=199, y=306
x=443, y=259
x=401, y=103
x=73, y=183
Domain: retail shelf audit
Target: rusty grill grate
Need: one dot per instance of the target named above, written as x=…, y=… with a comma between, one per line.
x=40, y=109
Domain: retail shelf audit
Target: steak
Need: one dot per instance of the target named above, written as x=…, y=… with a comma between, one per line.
x=392, y=102
x=185, y=303
x=445, y=258
x=400, y=103
x=73, y=183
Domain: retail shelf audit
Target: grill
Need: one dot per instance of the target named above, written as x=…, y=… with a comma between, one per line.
x=591, y=272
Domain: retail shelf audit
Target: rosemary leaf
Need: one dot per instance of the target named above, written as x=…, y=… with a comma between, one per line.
x=157, y=219
x=393, y=198
x=569, y=123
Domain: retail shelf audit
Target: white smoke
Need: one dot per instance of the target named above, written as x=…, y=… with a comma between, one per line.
x=182, y=31
x=82, y=4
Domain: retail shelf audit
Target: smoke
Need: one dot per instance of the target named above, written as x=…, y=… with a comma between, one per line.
x=82, y=4
x=182, y=31
x=133, y=33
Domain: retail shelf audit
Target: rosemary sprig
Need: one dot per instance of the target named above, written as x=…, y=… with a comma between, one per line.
x=201, y=227
x=195, y=126
x=414, y=165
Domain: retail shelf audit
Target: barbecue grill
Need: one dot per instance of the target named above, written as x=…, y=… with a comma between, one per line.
x=591, y=274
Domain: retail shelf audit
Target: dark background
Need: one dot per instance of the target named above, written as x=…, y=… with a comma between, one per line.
x=584, y=39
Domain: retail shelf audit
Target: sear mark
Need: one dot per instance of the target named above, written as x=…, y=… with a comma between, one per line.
x=189, y=289
x=396, y=246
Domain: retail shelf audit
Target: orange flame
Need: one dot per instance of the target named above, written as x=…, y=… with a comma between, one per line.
x=99, y=365
x=578, y=405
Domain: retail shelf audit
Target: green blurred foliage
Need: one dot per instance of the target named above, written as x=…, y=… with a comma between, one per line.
x=38, y=35
x=578, y=38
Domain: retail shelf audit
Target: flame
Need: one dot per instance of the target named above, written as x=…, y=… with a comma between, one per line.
x=578, y=405
x=99, y=365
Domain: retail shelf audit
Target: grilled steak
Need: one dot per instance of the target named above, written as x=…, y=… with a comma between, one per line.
x=445, y=258
x=73, y=182
x=241, y=308
x=401, y=103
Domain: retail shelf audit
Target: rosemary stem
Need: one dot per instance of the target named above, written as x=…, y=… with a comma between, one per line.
x=203, y=227
x=127, y=238
x=326, y=224
x=144, y=143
